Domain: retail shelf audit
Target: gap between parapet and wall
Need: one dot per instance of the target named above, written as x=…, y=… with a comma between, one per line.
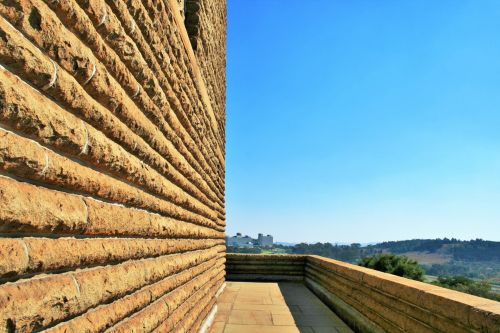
x=372, y=301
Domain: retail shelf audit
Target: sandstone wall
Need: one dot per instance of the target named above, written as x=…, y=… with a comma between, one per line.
x=111, y=166
x=396, y=304
x=205, y=22
x=275, y=267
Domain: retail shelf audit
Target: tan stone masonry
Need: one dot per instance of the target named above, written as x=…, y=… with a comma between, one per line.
x=112, y=212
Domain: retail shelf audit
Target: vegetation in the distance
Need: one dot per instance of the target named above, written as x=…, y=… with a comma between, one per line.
x=486, y=270
x=394, y=264
x=472, y=250
x=276, y=249
x=469, y=286
x=237, y=249
x=457, y=250
x=470, y=262
x=350, y=253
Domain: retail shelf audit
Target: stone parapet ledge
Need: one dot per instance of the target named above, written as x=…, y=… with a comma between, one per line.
x=265, y=267
x=372, y=301
x=397, y=304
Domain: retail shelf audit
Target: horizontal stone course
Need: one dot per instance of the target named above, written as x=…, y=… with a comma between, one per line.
x=62, y=214
x=26, y=255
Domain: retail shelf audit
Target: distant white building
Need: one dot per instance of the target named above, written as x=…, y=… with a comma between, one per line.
x=247, y=241
x=240, y=241
x=265, y=241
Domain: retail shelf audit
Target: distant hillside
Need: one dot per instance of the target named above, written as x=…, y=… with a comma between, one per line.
x=478, y=259
x=454, y=249
x=425, y=251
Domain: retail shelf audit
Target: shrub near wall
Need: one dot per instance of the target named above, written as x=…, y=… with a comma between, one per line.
x=111, y=167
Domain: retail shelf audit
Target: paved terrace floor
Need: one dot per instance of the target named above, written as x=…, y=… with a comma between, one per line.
x=284, y=307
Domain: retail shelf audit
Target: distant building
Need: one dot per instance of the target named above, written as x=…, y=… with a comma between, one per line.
x=247, y=241
x=265, y=241
x=240, y=241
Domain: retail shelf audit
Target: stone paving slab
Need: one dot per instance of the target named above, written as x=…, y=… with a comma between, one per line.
x=269, y=307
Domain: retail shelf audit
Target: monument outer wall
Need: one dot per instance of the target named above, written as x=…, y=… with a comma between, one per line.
x=112, y=164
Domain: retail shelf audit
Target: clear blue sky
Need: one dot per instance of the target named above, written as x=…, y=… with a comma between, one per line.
x=361, y=121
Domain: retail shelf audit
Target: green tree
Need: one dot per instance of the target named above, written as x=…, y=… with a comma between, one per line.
x=466, y=285
x=236, y=249
x=394, y=264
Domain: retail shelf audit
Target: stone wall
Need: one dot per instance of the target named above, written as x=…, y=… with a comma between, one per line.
x=396, y=304
x=206, y=25
x=372, y=301
x=111, y=166
x=271, y=267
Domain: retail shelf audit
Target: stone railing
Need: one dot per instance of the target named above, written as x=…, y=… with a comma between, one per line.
x=372, y=301
x=251, y=267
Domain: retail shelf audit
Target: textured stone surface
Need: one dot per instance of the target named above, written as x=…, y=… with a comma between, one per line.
x=111, y=166
x=31, y=255
x=106, y=316
x=202, y=18
x=266, y=268
x=26, y=158
x=27, y=111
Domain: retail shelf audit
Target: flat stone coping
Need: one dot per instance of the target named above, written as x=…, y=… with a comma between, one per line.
x=273, y=307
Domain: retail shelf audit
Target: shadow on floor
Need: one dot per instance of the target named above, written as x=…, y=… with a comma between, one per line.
x=309, y=313
x=271, y=307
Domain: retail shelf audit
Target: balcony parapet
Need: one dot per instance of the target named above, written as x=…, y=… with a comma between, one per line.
x=269, y=267
x=372, y=301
